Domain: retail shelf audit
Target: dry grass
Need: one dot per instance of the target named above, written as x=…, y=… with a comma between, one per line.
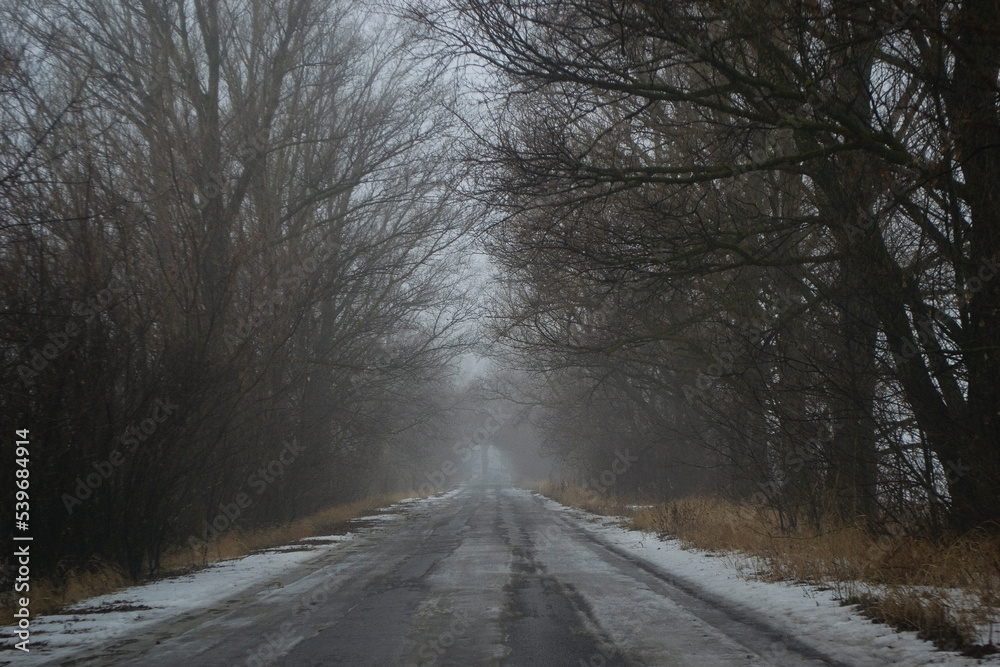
x=49, y=595
x=577, y=496
x=236, y=543
x=945, y=589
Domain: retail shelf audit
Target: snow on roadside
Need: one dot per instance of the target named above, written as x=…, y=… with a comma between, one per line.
x=812, y=615
x=101, y=620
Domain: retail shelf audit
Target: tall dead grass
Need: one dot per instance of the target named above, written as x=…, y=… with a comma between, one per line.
x=49, y=595
x=236, y=543
x=946, y=589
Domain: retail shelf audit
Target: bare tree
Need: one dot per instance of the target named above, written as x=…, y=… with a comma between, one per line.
x=241, y=209
x=825, y=145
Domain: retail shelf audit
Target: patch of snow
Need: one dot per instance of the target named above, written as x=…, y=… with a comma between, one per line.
x=812, y=615
x=329, y=538
x=103, y=619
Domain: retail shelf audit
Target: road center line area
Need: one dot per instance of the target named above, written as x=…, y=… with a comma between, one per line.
x=483, y=575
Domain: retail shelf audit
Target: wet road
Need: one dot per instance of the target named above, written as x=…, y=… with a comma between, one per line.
x=487, y=576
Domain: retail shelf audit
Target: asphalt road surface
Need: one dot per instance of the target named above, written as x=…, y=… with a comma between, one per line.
x=487, y=576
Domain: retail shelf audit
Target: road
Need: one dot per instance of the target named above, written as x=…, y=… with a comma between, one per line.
x=487, y=576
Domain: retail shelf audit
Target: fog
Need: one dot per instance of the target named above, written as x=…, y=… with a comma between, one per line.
x=361, y=252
